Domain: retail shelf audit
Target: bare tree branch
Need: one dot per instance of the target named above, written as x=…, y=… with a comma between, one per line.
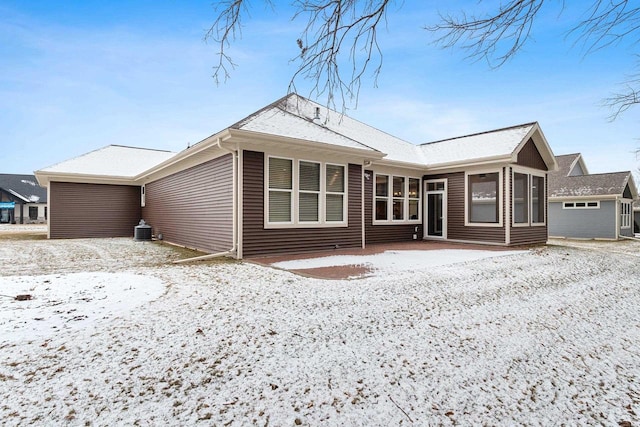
x=332, y=25
x=500, y=35
x=608, y=23
x=621, y=101
x=339, y=34
x=225, y=29
x=497, y=37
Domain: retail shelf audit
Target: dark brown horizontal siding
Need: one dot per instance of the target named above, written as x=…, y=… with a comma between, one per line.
x=194, y=207
x=384, y=233
x=530, y=156
x=456, y=230
x=259, y=241
x=93, y=210
x=528, y=235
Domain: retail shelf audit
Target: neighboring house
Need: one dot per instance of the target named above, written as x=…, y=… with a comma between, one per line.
x=22, y=200
x=295, y=177
x=589, y=206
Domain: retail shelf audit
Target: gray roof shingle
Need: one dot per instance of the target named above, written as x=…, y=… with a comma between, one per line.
x=24, y=187
x=599, y=184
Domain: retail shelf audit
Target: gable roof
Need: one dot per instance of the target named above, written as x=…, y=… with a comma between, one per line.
x=24, y=187
x=114, y=161
x=297, y=117
x=488, y=146
x=561, y=184
x=296, y=122
x=567, y=164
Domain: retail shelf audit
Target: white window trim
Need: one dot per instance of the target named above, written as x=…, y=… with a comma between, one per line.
x=530, y=174
x=390, y=199
x=444, y=207
x=625, y=218
x=500, y=222
x=544, y=199
x=295, y=223
x=298, y=191
x=323, y=194
x=586, y=202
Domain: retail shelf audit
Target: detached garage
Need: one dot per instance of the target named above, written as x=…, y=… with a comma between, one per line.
x=96, y=194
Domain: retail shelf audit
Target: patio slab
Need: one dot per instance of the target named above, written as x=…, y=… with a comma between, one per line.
x=359, y=271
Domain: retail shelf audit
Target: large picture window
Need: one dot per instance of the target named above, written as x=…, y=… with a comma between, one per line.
x=528, y=199
x=397, y=199
x=483, y=198
x=305, y=193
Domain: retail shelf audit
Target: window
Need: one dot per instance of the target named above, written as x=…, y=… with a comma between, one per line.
x=483, y=198
x=581, y=205
x=305, y=192
x=142, y=196
x=280, y=189
x=528, y=199
x=309, y=196
x=397, y=199
x=33, y=213
x=537, y=199
x=625, y=214
x=520, y=198
x=382, y=197
x=335, y=193
x=414, y=198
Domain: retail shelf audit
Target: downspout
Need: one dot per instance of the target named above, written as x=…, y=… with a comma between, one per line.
x=234, y=248
x=507, y=203
x=618, y=212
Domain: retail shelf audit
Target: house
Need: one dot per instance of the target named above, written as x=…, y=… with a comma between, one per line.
x=22, y=200
x=589, y=206
x=296, y=176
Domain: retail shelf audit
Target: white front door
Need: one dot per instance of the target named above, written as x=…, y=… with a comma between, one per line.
x=435, y=209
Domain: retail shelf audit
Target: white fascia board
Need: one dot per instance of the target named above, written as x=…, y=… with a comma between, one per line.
x=44, y=178
x=266, y=141
x=464, y=165
x=16, y=195
x=580, y=198
x=184, y=154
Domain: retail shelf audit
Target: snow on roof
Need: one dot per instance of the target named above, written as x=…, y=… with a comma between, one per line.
x=561, y=184
x=24, y=187
x=295, y=116
x=485, y=145
x=112, y=160
x=600, y=184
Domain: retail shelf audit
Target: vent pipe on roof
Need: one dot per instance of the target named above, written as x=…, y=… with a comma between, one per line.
x=316, y=117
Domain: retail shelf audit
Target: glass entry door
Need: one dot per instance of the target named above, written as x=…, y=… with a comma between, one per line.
x=436, y=207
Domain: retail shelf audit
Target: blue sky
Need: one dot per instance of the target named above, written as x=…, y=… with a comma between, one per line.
x=76, y=76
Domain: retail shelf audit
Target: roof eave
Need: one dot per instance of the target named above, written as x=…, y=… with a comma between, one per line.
x=486, y=161
x=269, y=139
x=44, y=178
x=195, y=149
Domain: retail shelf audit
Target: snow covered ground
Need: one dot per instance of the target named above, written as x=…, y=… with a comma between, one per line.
x=549, y=336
